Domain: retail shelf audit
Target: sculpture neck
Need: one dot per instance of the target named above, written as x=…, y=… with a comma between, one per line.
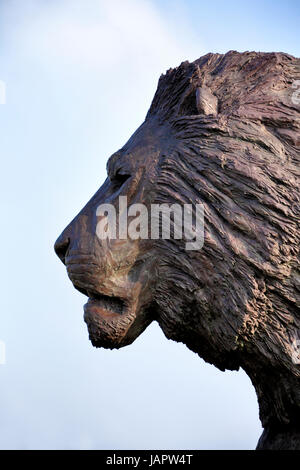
x=278, y=393
x=285, y=437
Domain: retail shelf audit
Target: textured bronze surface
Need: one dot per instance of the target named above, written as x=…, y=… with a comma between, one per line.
x=222, y=131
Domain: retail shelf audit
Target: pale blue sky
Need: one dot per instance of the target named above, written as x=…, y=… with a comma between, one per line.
x=80, y=76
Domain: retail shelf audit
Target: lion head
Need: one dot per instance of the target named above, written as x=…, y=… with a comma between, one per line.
x=223, y=132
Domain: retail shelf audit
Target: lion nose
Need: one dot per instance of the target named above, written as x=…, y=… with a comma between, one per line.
x=61, y=246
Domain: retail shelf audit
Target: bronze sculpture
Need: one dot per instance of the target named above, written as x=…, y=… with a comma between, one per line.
x=222, y=131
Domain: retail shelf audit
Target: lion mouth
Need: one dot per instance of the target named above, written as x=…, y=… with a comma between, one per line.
x=102, y=302
x=114, y=316
x=108, y=319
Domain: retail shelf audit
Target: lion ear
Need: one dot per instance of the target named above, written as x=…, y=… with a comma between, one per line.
x=206, y=102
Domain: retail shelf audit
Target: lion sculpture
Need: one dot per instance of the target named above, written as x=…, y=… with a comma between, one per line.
x=222, y=131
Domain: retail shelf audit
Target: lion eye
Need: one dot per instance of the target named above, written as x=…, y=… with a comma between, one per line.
x=119, y=178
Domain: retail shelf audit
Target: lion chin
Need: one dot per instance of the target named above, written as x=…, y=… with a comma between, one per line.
x=113, y=323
